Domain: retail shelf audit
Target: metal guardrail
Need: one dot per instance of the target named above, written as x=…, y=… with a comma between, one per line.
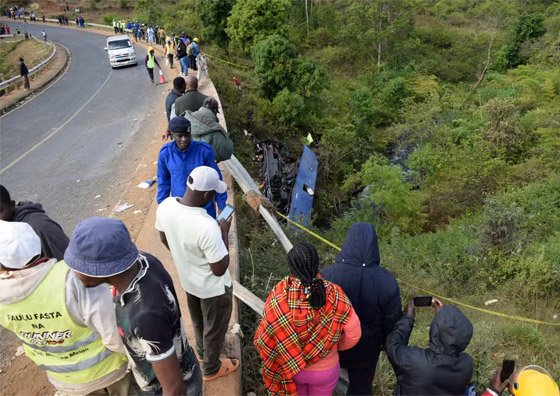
x=95, y=25
x=14, y=80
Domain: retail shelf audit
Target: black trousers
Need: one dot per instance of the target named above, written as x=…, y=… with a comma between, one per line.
x=170, y=58
x=151, y=73
x=210, y=319
x=360, y=380
x=192, y=62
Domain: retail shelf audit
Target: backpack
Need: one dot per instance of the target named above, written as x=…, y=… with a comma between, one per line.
x=190, y=49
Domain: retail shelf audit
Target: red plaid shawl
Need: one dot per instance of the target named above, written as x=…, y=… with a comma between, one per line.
x=292, y=335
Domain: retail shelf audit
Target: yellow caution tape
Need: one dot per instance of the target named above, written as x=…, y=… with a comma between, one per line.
x=487, y=311
x=225, y=61
x=319, y=237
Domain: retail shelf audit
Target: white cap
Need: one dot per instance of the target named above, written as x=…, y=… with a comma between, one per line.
x=18, y=244
x=205, y=178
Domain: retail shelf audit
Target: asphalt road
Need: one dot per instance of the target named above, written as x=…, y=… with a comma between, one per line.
x=99, y=120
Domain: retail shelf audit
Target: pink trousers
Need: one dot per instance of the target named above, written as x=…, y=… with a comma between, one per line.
x=317, y=383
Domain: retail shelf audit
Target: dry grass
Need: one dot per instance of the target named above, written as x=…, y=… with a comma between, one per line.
x=31, y=51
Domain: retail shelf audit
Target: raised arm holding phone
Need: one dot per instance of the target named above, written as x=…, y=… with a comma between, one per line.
x=443, y=368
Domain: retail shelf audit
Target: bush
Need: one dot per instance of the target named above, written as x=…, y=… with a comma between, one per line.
x=288, y=107
x=501, y=225
x=108, y=19
x=214, y=14
x=274, y=64
x=255, y=20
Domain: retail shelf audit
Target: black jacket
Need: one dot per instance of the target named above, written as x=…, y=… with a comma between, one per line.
x=181, y=50
x=443, y=368
x=171, y=98
x=53, y=239
x=192, y=100
x=373, y=291
x=23, y=70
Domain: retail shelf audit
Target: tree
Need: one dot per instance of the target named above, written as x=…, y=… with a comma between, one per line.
x=373, y=27
x=214, y=14
x=526, y=27
x=503, y=130
x=274, y=64
x=254, y=20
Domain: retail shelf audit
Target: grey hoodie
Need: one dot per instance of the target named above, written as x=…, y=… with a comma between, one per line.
x=205, y=127
x=91, y=307
x=443, y=368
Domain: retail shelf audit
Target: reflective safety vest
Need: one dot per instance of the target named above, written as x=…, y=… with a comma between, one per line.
x=151, y=60
x=68, y=352
x=169, y=49
x=114, y=23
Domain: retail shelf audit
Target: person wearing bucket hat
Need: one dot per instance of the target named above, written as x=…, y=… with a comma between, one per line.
x=199, y=247
x=65, y=328
x=177, y=159
x=145, y=303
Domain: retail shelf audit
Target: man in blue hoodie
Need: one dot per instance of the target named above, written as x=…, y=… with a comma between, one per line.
x=374, y=294
x=177, y=159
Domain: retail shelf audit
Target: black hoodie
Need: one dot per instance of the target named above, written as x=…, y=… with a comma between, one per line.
x=53, y=239
x=443, y=368
x=372, y=290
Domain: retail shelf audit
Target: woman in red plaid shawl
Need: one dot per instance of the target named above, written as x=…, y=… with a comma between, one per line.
x=306, y=321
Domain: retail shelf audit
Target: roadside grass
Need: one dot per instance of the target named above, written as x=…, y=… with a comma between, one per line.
x=31, y=51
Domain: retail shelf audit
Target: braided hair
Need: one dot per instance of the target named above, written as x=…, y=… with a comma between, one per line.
x=304, y=264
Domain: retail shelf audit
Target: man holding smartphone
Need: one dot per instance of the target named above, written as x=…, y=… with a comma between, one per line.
x=199, y=246
x=443, y=368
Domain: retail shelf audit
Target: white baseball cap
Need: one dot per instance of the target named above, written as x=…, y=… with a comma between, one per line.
x=205, y=178
x=18, y=244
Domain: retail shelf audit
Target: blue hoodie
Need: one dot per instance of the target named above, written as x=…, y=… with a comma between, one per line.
x=373, y=291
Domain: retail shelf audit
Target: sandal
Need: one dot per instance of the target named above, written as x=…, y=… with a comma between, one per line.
x=228, y=366
x=200, y=360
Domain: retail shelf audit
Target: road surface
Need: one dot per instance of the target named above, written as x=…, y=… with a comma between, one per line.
x=96, y=122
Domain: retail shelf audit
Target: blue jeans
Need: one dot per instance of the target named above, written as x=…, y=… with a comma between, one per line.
x=184, y=61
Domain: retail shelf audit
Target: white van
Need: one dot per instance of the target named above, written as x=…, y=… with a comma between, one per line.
x=120, y=50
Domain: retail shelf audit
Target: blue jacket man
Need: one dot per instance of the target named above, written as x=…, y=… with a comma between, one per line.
x=179, y=158
x=374, y=294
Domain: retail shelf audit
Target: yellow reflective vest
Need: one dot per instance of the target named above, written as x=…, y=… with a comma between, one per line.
x=151, y=60
x=68, y=352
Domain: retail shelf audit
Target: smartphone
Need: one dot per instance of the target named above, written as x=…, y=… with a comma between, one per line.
x=507, y=369
x=226, y=213
x=422, y=301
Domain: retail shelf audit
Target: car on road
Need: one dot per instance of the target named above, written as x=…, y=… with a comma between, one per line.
x=121, y=51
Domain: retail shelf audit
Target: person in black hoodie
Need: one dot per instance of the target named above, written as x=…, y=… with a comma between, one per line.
x=24, y=72
x=53, y=239
x=374, y=294
x=443, y=368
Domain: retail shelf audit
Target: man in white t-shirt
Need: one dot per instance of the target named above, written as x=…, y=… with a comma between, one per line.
x=199, y=247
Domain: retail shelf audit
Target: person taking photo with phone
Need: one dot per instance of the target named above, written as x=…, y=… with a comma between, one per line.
x=443, y=368
x=199, y=246
x=529, y=381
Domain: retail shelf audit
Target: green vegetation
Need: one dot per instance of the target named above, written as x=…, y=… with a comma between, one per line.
x=33, y=53
x=438, y=121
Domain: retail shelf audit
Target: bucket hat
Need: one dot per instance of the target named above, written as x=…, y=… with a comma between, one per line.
x=100, y=247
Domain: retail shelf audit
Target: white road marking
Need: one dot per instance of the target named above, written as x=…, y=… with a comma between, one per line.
x=56, y=130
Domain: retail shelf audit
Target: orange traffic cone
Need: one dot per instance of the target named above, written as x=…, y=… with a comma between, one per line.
x=161, y=78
